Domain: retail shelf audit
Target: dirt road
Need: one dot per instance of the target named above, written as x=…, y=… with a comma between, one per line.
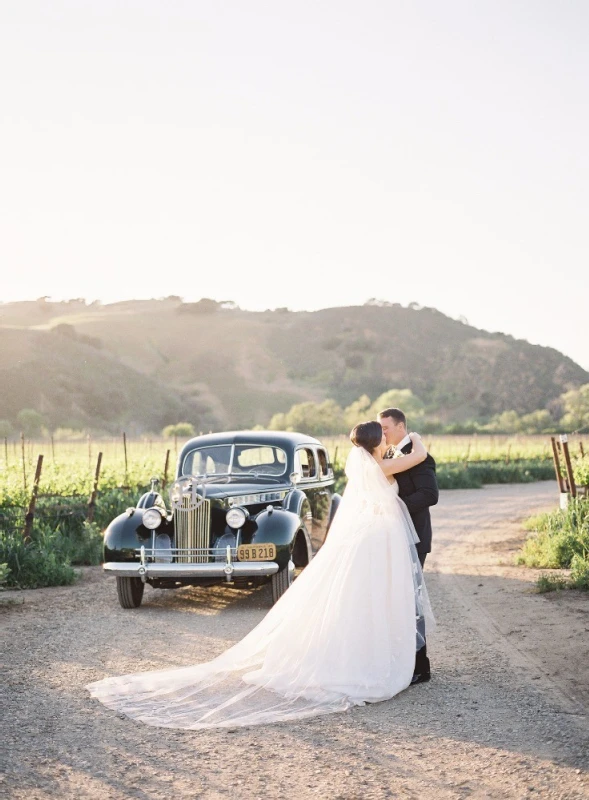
x=506, y=714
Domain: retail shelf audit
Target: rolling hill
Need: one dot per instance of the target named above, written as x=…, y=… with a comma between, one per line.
x=143, y=364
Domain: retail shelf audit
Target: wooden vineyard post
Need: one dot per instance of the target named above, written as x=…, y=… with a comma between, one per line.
x=569, y=467
x=33, y=501
x=126, y=462
x=92, y=501
x=581, y=450
x=565, y=480
x=24, y=466
x=6, y=449
x=165, y=481
x=508, y=452
x=556, y=460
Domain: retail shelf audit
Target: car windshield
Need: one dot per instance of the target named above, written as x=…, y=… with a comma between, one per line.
x=253, y=460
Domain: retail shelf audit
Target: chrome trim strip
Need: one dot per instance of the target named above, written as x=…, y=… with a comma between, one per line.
x=197, y=552
x=220, y=569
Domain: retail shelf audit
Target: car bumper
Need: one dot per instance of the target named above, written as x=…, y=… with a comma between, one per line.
x=249, y=569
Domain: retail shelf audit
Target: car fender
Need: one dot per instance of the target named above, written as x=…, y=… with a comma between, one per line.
x=298, y=502
x=151, y=499
x=126, y=533
x=335, y=501
x=280, y=527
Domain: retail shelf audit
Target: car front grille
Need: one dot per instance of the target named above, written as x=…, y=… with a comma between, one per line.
x=192, y=530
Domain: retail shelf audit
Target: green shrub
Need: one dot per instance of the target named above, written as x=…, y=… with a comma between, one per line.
x=47, y=558
x=551, y=583
x=520, y=471
x=83, y=546
x=560, y=540
x=38, y=562
x=4, y=572
x=61, y=535
x=113, y=502
x=558, y=537
x=580, y=572
x=581, y=470
x=182, y=429
x=458, y=476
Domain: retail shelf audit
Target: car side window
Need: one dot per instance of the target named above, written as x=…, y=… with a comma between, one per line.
x=307, y=463
x=323, y=463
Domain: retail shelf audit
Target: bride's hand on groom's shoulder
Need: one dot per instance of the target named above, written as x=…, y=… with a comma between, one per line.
x=418, y=445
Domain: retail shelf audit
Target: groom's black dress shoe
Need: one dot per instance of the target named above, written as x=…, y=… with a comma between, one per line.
x=420, y=677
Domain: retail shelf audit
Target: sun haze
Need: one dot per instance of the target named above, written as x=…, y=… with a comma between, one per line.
x=301, y=154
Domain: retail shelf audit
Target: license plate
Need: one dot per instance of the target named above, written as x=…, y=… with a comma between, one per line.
x=256, y=552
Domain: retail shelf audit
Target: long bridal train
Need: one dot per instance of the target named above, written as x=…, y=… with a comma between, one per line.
x=345, y=633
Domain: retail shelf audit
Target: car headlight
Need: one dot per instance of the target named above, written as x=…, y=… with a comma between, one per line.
x=236, y=517
x=152, y=518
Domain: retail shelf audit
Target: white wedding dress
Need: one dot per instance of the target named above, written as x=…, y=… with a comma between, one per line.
x=345, y=633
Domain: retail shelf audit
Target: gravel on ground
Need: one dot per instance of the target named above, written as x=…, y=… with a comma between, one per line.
x=506, y=714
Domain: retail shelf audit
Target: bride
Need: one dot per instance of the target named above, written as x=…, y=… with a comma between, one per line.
x=344, y=634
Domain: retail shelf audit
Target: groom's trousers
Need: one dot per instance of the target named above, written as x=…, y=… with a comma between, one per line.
x=422, y=665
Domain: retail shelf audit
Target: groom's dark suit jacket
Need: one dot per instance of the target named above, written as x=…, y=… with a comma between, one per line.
x=418, y=488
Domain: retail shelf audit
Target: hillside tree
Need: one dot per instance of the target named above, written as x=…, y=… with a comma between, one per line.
x=31, y=422
x=314, y=419
x=6, y=428
x=576, y=407
x=182, y=429
x=410, y=405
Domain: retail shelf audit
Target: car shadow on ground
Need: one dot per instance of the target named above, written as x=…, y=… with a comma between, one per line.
x=219, y=597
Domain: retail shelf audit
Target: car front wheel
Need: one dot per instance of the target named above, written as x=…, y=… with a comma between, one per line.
x=130, y=591
x=281, y=580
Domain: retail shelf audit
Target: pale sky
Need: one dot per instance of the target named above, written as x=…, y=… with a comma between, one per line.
x=302, y=153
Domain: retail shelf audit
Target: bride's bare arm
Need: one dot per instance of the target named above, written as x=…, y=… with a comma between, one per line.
x=391, y=466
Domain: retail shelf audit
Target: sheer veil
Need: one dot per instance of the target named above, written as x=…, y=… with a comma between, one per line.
x=369, y=494
x=345, y=632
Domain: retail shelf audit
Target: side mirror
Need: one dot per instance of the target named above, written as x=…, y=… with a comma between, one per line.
x=295, y=477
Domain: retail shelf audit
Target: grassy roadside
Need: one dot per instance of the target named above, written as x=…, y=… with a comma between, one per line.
x=559, y=540
x=61, y=538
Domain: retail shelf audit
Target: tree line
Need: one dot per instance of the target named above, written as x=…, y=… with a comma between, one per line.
x=569, y=414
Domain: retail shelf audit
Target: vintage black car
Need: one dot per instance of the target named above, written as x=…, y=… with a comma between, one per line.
x=245, y=508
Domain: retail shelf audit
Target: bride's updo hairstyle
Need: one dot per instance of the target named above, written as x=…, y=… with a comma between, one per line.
x=367, y=435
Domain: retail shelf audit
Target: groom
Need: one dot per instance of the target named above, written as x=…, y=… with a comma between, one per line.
x=418, y=488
